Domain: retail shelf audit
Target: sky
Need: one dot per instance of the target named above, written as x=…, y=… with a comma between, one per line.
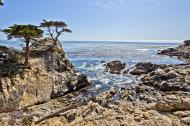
x=105, y=20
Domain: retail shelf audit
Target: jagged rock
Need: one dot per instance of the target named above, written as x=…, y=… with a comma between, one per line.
x=10, y=69
x=169, y=87
x=168, y=51
x=82, y=81
x=8, y=55
x=50, y=75
x=186, y=121
x=116, y=67
x=161, y=99
x=143, y=68
x=169, y=78
x=182, y=51
x=173, y=103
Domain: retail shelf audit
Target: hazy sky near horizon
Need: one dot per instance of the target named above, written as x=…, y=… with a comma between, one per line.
x=118, y=20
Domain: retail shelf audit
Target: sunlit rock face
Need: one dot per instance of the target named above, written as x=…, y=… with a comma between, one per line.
x=49, y=75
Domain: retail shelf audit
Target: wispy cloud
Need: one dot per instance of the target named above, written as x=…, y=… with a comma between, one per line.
x=108, y=3
x=121, y=3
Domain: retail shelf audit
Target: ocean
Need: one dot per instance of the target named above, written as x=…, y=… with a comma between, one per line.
x=88, y=57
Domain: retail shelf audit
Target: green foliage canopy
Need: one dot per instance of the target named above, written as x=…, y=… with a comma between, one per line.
x=26, y=32
x=55, y=29
x=1, y=3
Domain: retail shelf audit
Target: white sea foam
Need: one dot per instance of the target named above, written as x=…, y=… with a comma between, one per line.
x=87, y=60
x=98, y=86
x=142, y=49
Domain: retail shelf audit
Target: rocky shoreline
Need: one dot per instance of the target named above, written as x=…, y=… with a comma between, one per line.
x=161, y=99
x=181, y=52
x=146, y=104
x=50, y=75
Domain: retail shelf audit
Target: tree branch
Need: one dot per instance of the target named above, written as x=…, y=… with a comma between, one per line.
x=56, y=113
x=51, y=35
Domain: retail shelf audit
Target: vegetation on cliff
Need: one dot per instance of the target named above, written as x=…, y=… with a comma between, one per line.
x=161, y=99
x=26, y=33
x=54, y=30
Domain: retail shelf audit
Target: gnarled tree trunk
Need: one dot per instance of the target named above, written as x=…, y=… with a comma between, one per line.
x=58, y=44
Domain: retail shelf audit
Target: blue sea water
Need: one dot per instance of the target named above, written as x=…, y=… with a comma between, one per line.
x=87, y=58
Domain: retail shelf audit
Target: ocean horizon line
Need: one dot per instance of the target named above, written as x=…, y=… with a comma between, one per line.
x=127, y=41
x=119, y=41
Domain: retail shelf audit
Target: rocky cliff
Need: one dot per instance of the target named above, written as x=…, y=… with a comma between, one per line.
x=162, y=99
x=49, y=75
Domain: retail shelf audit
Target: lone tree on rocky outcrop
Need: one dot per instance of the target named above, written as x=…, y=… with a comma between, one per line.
x=26, y=33
x=55, y=29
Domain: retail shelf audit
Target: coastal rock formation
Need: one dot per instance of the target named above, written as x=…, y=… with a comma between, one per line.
x=143, y=68
x=147, y=108
x=116, y=67
x=49, y=75
x=169, y=78
x=9, y=56
x=161, y=99
x=144, y=104
x=171, y=103
x=182, y=51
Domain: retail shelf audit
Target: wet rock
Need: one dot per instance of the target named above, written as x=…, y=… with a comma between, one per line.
x=66, y=85
x=168, y=78
x=170, y=87
x=116, y=67
x=102, y=61
x=182, y=51
x=168, y=51
x=143, y=68
x=82, y=81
